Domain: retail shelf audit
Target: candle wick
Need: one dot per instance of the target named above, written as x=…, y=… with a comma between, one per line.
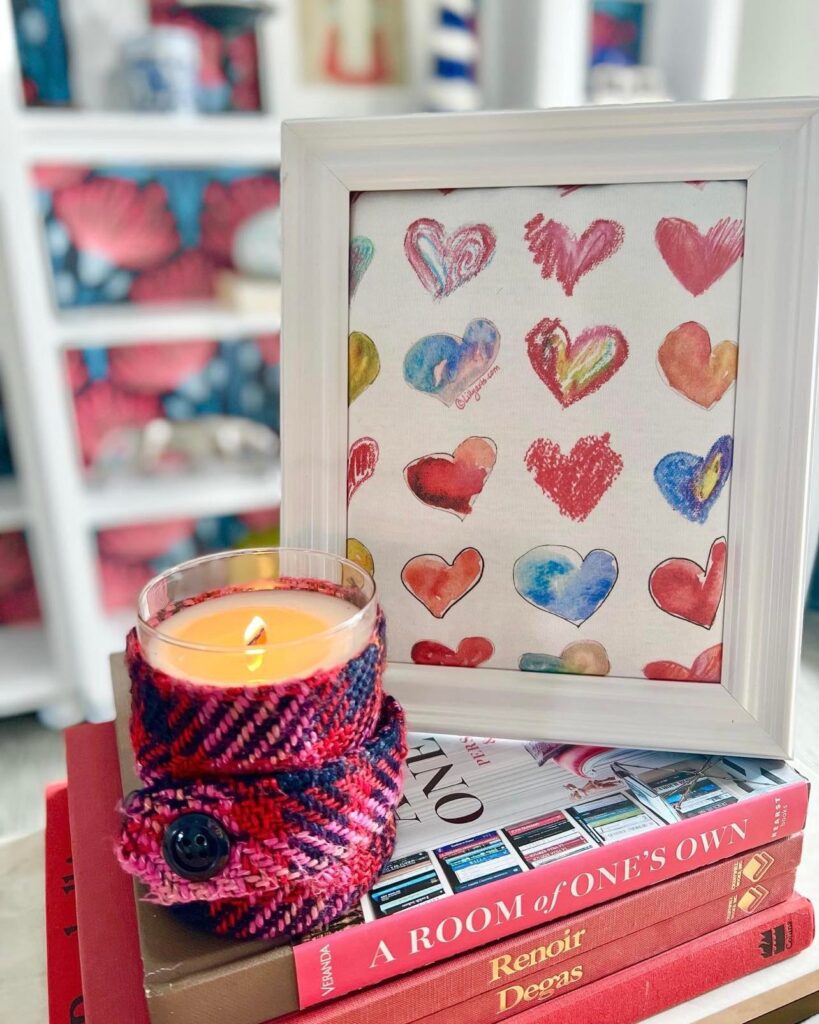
x=256, y=632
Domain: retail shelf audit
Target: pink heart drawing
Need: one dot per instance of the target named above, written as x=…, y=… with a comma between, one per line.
x=561, y=254
x=444, y=262
x=361, y=463
x=698, y=260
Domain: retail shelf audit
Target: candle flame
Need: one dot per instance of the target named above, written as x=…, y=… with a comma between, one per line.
x=255, y=634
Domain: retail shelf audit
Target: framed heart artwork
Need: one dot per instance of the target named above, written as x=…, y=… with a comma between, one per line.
x=550, y=376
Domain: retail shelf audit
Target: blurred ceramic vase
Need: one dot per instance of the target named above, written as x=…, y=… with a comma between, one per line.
x=257, y=244
x=162, y=69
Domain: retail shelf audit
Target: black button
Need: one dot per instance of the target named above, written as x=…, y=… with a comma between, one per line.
x=196, y=846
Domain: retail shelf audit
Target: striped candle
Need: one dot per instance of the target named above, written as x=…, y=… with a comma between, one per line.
x=454, y=47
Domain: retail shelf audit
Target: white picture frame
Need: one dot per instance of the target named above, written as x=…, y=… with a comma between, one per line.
x=774, y=147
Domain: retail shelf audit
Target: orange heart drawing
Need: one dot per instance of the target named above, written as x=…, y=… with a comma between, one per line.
x=438, y=584
x=705, y=668
x=689, y=364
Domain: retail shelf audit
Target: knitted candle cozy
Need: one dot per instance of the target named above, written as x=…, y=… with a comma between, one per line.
x=268, y=809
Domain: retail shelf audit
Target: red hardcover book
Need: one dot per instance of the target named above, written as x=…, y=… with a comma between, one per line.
x=106, y=917
x=660, y=816
x=65, y=1002
x=602, y=940
x=672, y=977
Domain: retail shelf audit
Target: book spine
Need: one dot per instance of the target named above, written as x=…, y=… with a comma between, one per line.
x=740, y=886
x=683, y=973
x=335, y=964
x=551, y=981
x=65, y=1002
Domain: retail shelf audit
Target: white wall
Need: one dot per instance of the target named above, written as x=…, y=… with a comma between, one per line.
x=779, y=48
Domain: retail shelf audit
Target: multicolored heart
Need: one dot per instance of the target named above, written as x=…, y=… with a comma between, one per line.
x=698, y=260
x=361, y=463
x=470, y=652
x=363, y=364
x=444, y=262
x=362, y=251
x=361, y=555
x=706, y=668
x=443, y=365
x=691, y=484
x=438, y=584
x=559, y=580
x=582, y=658
x=575, y=482
x=573, y=369
x=685, y=590
x=690, y=366
x=561, y=254
x=453, y=482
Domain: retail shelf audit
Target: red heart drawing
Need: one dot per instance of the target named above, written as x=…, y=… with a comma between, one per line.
x=573, y=369
x=575, y=482
x=361, y=463
x=444, y=262
x=706, y=668
x=698, y=260
x=437, y=584
x=690, y=366
x=686, y=590
x=471, y=652
x=453, y=482
x=561, y=254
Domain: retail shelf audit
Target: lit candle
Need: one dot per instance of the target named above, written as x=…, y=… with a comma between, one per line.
x=267, y=631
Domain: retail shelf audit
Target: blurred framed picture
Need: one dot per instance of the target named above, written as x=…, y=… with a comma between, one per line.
x=556, y=394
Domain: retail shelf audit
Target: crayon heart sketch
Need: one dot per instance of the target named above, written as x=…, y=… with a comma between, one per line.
x=443, y=365
x=444, y=262
x=573, y=369
x=685, y=590
x=691, y=484
x=559, y=580
x=361, y=463
x=362, y=251
x=453, y=482
x=693, y=368
x=561, y=254
x=575, y=482
x=470, y=652
x=706, y=668
x=582, y=658
x=698, y=260
x=363, y=363
x=438, y=584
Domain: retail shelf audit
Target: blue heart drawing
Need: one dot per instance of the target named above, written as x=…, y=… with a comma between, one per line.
x=691, y=484
x=559, y=580
x=361, y=256
x=443, y=365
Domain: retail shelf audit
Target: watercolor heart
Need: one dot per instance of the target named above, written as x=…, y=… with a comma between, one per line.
x=437, y=584
x=362, y=251
x=361, y=463
x=561, y=254
x=698, y=260
x=453, y=482
x=444, y=262
x=583, y=658
x=706, y=668
x=575, y=482
x=363, y=364
x=470, y=652
x=573, y=369
x=559, y=580
x=685, y=590
x=691, y=484
x=361, y=555
x=691, y=367
x=443, y=365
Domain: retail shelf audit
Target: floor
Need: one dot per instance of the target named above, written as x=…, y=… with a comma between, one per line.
x=31, y=756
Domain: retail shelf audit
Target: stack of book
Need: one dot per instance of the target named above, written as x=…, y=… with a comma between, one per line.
x=535, y=880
